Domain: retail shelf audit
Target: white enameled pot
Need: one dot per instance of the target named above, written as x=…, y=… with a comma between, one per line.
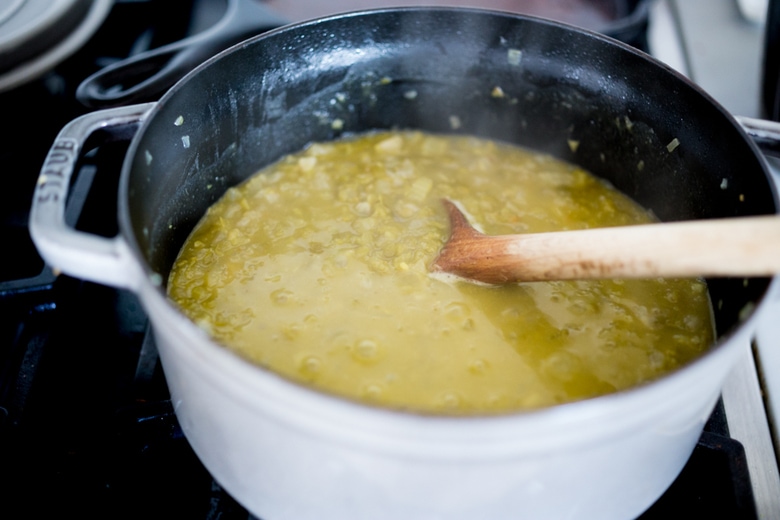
x=285, y=451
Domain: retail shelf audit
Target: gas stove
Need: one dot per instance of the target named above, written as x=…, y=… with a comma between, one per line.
x=85, y=418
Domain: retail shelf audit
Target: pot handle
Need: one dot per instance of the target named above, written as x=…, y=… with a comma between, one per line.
x=765, y=133
x=146, y=75
x=83, y=255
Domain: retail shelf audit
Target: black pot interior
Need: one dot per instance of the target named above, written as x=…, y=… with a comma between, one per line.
x=441, y=70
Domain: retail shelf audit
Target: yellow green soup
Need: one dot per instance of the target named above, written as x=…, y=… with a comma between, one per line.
x=318, y=268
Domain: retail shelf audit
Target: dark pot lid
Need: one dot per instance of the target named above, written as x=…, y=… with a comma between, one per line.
x=36, y=35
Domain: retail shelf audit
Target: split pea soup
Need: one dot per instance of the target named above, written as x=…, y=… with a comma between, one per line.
x=317, y=268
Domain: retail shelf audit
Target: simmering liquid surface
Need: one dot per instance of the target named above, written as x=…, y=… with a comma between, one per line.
x=318, y=268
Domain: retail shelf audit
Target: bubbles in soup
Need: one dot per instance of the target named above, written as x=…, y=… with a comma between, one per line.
x=317, y=268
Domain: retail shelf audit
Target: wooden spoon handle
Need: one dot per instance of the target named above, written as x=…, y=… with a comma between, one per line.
x=744, y=246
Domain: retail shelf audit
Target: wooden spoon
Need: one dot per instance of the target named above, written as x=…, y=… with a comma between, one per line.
x=743, y=246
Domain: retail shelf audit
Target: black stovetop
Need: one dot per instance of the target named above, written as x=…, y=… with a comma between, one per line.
x=86, y=426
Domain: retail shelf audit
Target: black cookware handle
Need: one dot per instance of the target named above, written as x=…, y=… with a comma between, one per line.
x=145, y=76
x=765, y=133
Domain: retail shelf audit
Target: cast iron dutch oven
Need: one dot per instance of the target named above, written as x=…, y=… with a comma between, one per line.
x=285, y=451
